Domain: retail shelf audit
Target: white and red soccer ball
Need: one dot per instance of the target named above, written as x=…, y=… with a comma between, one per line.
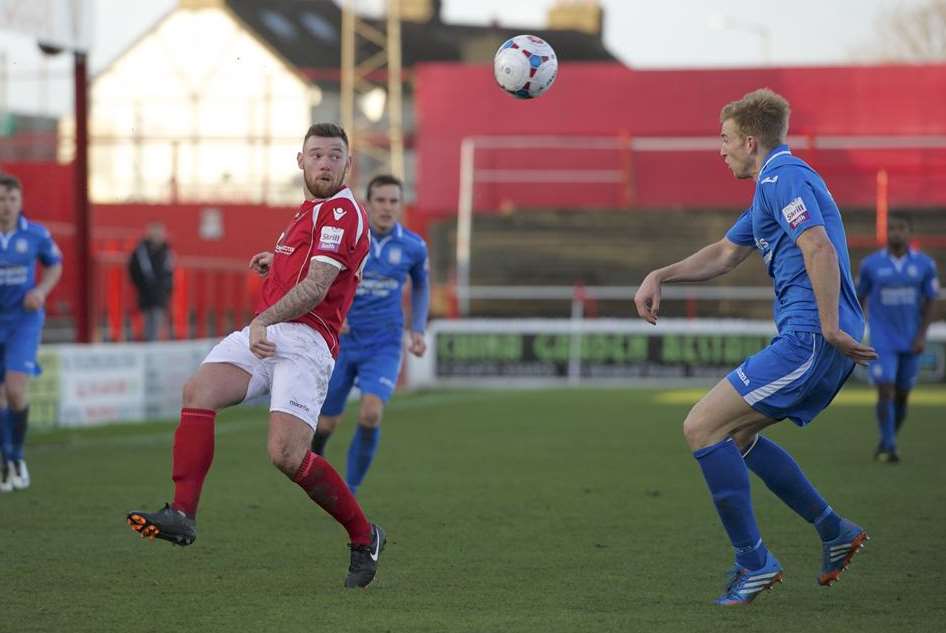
x=525, y=66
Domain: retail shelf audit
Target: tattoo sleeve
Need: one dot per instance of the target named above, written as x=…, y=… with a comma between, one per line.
x=307, y=294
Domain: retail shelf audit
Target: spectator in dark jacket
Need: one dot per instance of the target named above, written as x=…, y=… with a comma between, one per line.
x=151, y=267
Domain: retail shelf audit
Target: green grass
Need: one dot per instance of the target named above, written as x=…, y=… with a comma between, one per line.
x=575, y=510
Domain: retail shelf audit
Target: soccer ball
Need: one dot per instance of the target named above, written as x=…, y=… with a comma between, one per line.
x=525, y=66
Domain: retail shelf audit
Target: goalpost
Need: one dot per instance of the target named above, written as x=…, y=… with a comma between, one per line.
x=617, y=173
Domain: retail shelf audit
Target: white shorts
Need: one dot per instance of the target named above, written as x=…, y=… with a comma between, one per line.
x=296, y=377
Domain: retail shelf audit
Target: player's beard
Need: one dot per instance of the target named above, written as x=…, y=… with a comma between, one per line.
x=323, y=189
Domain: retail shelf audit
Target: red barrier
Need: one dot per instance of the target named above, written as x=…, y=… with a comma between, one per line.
x=114, y=280
x=180, y=312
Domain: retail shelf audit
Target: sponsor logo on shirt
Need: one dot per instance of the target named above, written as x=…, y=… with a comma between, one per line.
x=795, y=212
x=13, y=275
x=330, y=238
x=898, y=296
x=377, y=287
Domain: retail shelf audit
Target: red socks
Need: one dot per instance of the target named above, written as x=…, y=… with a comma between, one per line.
x=323, y=485
x=193, y=453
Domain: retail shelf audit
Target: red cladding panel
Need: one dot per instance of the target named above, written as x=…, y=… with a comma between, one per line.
x=597, y=99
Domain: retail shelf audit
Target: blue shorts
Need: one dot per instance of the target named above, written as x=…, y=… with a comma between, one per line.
x=19, y=342
x=895, y=368
x=373, y=369
x=795, y=377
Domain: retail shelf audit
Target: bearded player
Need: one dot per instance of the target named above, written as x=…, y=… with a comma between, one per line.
x=287, y=351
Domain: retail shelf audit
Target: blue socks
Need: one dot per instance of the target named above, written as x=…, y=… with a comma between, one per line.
x=728, y=481
x=886, y=421
x=360, y=454
x=6, y=435
x=899, y=413
x=781, y=473
x=319, y=440
x=18, y=423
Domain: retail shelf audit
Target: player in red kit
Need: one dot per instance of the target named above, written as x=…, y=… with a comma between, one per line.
x=288, y=351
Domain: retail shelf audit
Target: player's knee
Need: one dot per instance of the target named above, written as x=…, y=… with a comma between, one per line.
x=885, y=392
x=369, y=414
x=694, y=429
x=192, y=394
x=188, y=392
x=370, y=418
x=328, y=423
x=17, y=397
x=285, y=457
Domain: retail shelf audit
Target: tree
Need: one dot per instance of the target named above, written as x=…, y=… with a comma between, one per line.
x=913, y=34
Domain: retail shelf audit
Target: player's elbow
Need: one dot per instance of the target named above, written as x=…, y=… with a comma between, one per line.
x=729, y=257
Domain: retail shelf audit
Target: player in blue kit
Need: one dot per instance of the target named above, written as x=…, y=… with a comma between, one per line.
x=898, y=286
x=796, y=227
x=370, y=356
x=22, y=243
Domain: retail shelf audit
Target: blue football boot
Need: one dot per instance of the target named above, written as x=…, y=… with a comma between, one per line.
x=837, y=553
x=745, y=584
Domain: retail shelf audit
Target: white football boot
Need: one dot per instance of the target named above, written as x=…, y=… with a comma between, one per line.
x=21, y=476
x=6, y=477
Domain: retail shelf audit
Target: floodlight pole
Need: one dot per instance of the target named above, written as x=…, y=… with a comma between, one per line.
x=84, y=323
x=395, y=116
x=348, y=70
x=359, y=74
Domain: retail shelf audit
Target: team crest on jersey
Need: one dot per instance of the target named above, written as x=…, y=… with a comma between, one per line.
x=912, y=270
x=394, y=255
x=21, y=246
x=330, y=238
x=795, y=212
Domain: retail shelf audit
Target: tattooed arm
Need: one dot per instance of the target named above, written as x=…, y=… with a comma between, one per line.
x=307, y=294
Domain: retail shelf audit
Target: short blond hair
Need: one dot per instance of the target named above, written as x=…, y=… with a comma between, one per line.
x=762, y=114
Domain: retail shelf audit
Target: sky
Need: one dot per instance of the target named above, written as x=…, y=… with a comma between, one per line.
x=641, y=33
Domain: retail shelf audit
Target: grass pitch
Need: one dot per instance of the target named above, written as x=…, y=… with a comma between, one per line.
x=572, y=510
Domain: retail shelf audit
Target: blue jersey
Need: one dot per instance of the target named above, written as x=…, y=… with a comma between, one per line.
x=376, y=310
x=19, y=251
x=896, y=289
x=790, y=198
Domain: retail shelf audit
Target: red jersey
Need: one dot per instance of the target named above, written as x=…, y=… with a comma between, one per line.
x=334, y=231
